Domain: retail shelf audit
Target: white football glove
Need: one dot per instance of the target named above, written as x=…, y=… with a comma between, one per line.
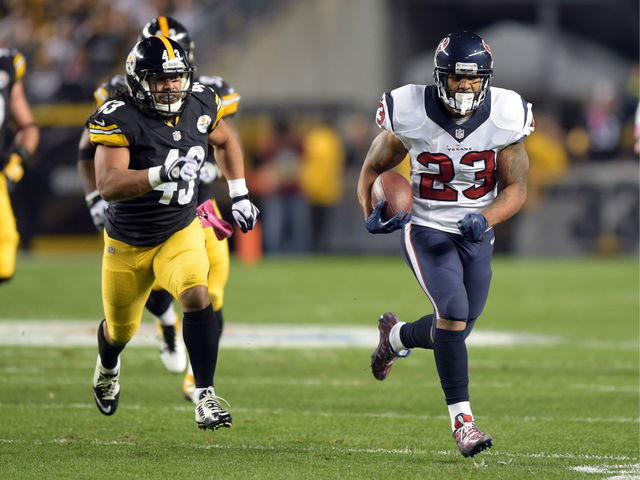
x=244, y=213
x=98, y=209
x=182, y=168
x=209, y=172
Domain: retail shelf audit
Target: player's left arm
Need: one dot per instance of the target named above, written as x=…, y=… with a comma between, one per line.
x=513, y=166
x=28, y=134
x=228, y=150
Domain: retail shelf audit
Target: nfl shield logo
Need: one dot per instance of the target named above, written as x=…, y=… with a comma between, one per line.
x=177, y=136
x=459, y=133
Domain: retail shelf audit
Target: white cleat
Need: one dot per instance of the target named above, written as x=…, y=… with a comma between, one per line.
x=172, y=351
x=209, y=413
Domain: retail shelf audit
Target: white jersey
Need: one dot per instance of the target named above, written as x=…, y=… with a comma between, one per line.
x=453, y=165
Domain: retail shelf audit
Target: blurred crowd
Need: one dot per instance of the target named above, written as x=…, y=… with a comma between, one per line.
x=300, y=159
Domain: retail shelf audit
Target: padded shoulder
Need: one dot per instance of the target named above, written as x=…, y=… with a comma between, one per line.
x=408, y=107
x=115, y=124
x=509, y=111
x=209, y=103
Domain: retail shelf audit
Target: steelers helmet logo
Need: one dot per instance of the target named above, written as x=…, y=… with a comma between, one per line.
x=203, y=123
x=130, y=65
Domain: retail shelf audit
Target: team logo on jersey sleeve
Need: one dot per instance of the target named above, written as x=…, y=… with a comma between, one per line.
x=203, y=123
x=380, y=114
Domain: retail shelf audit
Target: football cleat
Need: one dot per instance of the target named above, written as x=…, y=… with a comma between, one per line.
x=383, y=356
x=470, y=439
x=106, y=389
x=172, y=351
x=189, y=387
x=209, y=413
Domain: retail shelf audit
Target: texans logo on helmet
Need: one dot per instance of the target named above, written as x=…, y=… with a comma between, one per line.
x=442, y=45
x=486, y=46
x=380, y=114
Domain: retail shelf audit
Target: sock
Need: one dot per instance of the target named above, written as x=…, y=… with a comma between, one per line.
x=450, y=353
x=201, y=336
x=394, y=338
x=109, y=354
x=198, y=393
x=160, y=304
x=219, y=322
x=169, y=317
x=418, y=333
x=456, y=409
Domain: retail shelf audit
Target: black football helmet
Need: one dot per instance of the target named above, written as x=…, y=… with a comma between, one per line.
x=147, y=60
x=168, y=27
x=465, y=54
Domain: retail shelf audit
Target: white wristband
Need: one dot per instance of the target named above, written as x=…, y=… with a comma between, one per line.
x=91, y=197
x=154, y=177
x=237, y=187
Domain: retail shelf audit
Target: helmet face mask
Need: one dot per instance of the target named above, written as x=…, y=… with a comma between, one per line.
x=462, y=55
x=159, y=76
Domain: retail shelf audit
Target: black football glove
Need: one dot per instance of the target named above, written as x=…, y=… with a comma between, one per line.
x=473, y=226
x=376, y=224
x=244, y=212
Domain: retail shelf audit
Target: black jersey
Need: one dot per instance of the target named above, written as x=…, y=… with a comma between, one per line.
x=152, y=218
x=12, y=68
x=116, y=87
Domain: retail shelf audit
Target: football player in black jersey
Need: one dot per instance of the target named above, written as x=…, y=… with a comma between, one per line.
x=16, y=147
x=160, y=302
x=151, y=145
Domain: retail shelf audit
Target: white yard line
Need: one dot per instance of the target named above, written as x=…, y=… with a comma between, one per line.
x=315, y=413
x=64, y=333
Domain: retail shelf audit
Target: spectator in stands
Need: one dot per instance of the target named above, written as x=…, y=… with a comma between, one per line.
x=284, y=207
x=321, y=179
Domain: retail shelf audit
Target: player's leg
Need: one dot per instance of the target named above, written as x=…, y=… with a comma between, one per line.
x=181, y=267
x=476, y=261
x=9, y=237
x=126, y=280
x=431, y=255
x=218, y=255
x=437, y=260
x=172, y=354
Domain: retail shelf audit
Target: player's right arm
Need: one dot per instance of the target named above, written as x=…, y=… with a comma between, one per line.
x=114, y=179
x=385, y=153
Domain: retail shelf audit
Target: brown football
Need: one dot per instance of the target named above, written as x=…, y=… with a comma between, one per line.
x=394, y=189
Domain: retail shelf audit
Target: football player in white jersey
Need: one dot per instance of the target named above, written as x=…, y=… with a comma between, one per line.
x=468, y=173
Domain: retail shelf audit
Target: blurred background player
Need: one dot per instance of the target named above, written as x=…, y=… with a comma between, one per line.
x=18, y=141
x=151, y=145
x=465, y=140
x=160, y=302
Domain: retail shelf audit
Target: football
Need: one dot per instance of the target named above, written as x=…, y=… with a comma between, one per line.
x=394, y=189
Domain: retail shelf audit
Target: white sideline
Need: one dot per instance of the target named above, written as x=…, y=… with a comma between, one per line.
x=65, y=333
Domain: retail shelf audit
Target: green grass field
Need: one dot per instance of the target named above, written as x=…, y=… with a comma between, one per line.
x=565, y=410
